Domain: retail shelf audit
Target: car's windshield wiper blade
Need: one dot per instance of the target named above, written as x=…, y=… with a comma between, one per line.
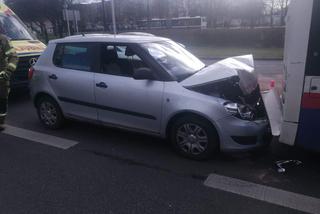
x=200, y=69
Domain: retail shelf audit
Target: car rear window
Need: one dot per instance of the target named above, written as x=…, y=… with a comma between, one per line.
x=73, y=56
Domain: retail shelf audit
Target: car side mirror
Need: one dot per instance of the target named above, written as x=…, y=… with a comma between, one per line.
x=143, y=74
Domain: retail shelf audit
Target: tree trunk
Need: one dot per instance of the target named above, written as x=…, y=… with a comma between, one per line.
x=212, y=17
x=60, y=27
x=284, y=11
x=252, y=24
x=44, y=32
x=272, y=13
x=55, y=28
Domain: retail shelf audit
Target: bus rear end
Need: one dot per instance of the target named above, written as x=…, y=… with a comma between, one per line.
x=308, y=134
x=300, y=101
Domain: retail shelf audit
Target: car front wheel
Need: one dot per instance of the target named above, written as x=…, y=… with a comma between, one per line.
x=194, y=137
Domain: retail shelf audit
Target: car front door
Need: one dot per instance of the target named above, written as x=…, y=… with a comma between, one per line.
x=71, y=78
x=122, y=100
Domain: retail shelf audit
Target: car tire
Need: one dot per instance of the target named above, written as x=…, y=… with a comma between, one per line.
x=194, y=137
x=49, y=113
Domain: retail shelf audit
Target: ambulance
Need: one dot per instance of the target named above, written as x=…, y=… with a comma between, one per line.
x=26, y=45
x=295, y=117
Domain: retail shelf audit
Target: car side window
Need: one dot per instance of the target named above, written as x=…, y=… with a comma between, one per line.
x=73, y=56
x=120, y=60
x=313, y=67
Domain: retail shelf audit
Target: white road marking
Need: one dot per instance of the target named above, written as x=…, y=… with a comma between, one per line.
x=264, y=193
x=49, y=140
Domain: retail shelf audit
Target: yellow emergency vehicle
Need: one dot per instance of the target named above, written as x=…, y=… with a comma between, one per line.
x=26, y=45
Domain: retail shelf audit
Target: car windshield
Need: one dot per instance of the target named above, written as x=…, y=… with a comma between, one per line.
x=13, y=28
x=174, y=58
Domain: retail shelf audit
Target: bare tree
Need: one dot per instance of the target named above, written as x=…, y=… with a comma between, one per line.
x=272, y=7
x=284, y=10
x=45, y=10
x=277, y=7
x=216, y=11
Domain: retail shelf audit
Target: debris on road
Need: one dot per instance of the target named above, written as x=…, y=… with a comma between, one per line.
x=286, y=163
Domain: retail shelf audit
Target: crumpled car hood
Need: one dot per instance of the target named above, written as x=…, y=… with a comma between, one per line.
x=240, y=66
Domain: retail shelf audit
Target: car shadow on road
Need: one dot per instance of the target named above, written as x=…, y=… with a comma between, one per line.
x=154, y=153
x=20, y=95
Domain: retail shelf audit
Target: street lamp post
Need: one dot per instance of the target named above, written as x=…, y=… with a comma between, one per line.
x=75, y=16
x=148, y=11
x=113, y=18
x=114, y=25
x=67, y=18
x=104, y=15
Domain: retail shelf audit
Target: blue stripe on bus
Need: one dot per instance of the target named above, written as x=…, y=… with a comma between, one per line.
x=309, y=129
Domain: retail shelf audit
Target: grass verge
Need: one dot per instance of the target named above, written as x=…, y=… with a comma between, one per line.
x=224, y=52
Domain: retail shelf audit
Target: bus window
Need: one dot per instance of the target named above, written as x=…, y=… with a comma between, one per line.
x=313, y=65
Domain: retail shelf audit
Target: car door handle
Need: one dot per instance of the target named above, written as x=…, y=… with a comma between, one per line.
x=101, y=85
x=314, y=88
x=53, y=77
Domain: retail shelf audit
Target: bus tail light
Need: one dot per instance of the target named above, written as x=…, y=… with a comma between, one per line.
x=272, y=84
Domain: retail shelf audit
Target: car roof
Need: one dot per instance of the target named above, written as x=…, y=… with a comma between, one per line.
x=110, y=38
x=136, y=34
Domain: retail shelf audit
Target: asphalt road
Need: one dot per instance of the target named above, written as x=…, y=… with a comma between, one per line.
x=113, y=171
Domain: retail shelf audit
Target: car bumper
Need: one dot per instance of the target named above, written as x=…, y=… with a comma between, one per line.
x=240, y=135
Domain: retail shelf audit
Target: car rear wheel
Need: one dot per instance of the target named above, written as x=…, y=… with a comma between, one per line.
x=194, y=137
x=49, y=113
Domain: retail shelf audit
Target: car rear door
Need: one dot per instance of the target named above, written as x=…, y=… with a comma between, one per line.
x=71, y=78
x=122, y=100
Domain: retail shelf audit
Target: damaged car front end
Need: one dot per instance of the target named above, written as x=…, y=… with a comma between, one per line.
x=234, y=82
x=223, y=98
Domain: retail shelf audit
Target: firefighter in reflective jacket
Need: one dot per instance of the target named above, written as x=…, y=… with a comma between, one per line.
x=8, y=64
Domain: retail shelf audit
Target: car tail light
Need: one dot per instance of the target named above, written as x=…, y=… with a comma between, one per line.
x=30, y=73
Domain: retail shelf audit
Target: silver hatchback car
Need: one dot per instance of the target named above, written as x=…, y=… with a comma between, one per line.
x=152, y=85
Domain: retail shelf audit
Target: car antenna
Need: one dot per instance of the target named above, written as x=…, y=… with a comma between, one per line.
x=83, y=34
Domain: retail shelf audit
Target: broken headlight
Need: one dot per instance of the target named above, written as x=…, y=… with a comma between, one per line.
x=239, y=110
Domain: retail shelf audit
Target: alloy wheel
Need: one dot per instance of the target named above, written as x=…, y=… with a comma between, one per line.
x=48, y=113
x=192, y=139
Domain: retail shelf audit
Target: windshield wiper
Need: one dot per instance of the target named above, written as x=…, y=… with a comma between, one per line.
x=200, y=69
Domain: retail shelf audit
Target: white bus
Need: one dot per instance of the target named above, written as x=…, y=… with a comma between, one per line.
x=180, y=22
x=300, y=116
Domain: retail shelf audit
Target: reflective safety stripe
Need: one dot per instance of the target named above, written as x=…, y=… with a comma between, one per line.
x=12, y=66
x=11, y=51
